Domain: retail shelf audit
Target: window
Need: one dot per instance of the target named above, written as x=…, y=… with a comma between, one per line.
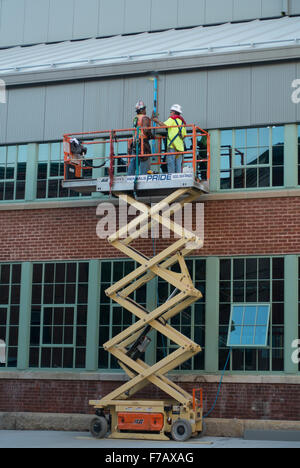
x=252, y=158
x=12, y=172
x=59, y=315
x=113, y=318
x=50, y=173
x=10, y=285
x=190, y=322
x=248, y=326
x=255, y=281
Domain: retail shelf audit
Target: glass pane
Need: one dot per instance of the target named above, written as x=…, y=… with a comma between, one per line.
x=251, y=268
x=225, y=269
x=252, y=156
x=238, y=269
x=43, y=152
x=251, y=178
x=262, y=315
x=240, y=138
x=252, y=137
x=277, y=176
x=225, y=180
x=250, y=315
x=237, y=315
x=235, y=336
x=264, y=177
x=277, y=135
x=264, y=136
x=226, y=137
x=264, y=268
x=278, y=155
x=248, y=335
x=239, y=178
x=260, y=336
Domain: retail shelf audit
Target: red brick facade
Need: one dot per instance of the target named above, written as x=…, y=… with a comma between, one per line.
x=232, y=227
x=238, y=400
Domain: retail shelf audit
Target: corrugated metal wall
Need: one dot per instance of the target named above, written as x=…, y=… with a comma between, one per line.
x=228, y=97
x=33, y=21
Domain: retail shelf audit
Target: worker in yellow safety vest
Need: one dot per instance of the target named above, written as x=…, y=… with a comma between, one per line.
x=176, y=134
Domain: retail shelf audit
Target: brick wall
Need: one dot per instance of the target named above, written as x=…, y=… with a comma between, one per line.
x=248, y=226
x=241, y=401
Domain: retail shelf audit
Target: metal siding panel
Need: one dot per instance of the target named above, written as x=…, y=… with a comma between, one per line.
x=12, y=22
x=25, y=116
x=271, y=94
x=229, y=98
x=135, y=89
x=190, y=91
x=191, y=13
x=273, y=8
x=36, y=21
x=216, y=12
x=111, y=17
x=163, y=14
x=103, y=105
x=246, y=10
x=61, y=14
x=86, y=17
x=294, y=7
x=137, y=16
x=64, y=110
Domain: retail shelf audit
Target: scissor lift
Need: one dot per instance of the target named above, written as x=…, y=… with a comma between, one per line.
x=180, y=415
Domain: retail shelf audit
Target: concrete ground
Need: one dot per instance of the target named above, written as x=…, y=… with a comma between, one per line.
x=63, y=439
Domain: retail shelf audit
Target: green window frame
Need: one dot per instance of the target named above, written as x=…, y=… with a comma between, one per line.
x=253, y=280
x=191, y=321
x=13, y=161
x=10, y=287
x=252, y=158
x=58, y=325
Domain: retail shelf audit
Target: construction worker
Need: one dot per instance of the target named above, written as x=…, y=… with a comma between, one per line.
x=176, y=137
x=142, y=121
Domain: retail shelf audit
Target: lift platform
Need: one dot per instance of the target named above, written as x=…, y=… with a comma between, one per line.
x=103, y=166
x=180, y=415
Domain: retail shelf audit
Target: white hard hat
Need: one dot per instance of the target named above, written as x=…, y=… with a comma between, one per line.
x=177, y=108
x=140, y=105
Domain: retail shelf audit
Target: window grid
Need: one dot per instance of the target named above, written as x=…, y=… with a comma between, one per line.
x=10, y=288
x=12, y=172
x=50, y=173
x=113, y=319
x=59, y=315
x=190, y=322
x=252, y=158
x=253, y=280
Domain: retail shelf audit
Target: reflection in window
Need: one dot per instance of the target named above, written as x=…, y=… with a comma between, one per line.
x=50, y=172
x=12, y=172
x=59, y=315
x=10, y=286
x=252, y=158
x=253, y=280
x=191, y=321
x=248, y=326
